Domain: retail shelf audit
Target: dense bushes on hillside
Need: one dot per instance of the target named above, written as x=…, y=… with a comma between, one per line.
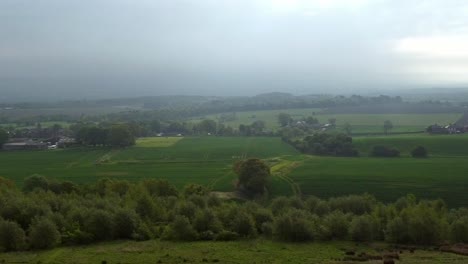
x=41, y=217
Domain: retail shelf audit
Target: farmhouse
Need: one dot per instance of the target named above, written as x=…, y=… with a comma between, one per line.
x=25, y=145
x=461, y=126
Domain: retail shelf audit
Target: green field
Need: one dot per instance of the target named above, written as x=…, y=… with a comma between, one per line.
x=254, y=251
x=208, y=161
x=361, y=123
x=204, y=160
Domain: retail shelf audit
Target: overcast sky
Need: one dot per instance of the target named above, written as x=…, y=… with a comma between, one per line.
x=113, y=48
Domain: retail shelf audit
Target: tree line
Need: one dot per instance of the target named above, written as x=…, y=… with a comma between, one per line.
x=46, y=214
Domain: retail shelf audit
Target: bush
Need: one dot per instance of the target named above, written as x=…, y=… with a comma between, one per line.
x=12, y=236
x=397, y=231
x=459, y=230
x=99, y=223
x=293, y=226
x=34, y=182
x=244, y=225
x=180, y=229
x=43, y=234
x=337, y=224
x=362, y=228
x=226, y=235
x=125, y=223
x=206, y=220
x=386, y=152
x=419, y=152
x=355, y=204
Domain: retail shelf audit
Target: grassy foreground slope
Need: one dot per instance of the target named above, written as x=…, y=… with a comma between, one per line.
x=255, y=251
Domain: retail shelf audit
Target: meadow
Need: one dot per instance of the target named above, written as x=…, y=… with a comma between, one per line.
x=254, y=251
x=360, y=123
x=208, y=161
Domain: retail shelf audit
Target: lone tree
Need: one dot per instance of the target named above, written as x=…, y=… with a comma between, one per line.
x=419, y=152
x=387, y=126
x=348, y=128
x=253, y=175
x=284, y=119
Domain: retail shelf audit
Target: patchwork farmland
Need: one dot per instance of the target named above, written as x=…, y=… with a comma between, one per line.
x=208, y=161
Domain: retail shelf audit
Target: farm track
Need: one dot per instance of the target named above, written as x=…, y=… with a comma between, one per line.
x=282, y=170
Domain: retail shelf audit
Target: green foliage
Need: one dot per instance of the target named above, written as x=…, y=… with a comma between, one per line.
x=337, y=224
x=419, y=152
x=362, y=228
x=125, y=223
x=254, y=176
x=180, y=229
x=120, y=136
x=293, y=226
x=244, y=225
x=35, y=182
x=99, y=223
x=12, y=236
x=388, y=125
x=284, y=119
x=459, y=230
x=195, y=189
x=3, y=137
x=44, y=234
x=329, y=144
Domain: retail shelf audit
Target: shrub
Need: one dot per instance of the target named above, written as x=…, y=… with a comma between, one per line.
x=195, y=189
x=12, y=236
x=180, y=229
x=244, y=225
x=43, y=234
x=293, y=226
x=206, y=220
x=386, y=152
x=226, y=235
x=99, y=223
x=362, y=228
x=262, y=216
x=424, y=224
x=125, y=223
x=459, y=230
x=355, y=204
x=34, y=182
x=419, y=152
x=397, y=231
x=337, y=224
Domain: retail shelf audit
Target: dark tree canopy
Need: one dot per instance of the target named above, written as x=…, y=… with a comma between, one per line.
x=330, y=144
x=419, y=152
x=120, y=136
x=253, y=174
x=284, y=119
x=3, y=137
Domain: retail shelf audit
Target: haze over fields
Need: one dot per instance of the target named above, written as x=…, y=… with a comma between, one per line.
x=53, y=49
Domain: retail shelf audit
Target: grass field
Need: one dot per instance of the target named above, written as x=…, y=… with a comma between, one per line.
x=208, y=161
x=361, y=123
x=254, y=251
x=204, y=160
